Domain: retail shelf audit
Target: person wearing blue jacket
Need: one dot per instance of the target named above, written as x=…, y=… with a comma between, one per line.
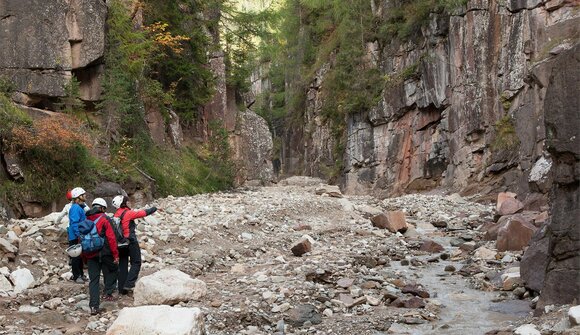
x=76, y=215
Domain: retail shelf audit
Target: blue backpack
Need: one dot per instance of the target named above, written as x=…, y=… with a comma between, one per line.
x=91, y=240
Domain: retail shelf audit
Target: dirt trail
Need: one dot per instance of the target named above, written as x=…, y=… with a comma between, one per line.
x=239, y=244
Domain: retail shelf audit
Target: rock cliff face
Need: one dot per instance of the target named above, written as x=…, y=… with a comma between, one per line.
x=562, y=121
x=470, y=116
x=44, y=42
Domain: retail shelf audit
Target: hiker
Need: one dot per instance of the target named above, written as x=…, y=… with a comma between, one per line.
x=126, y=215
x=66, y=208
x=105, y=260
x=76, y=215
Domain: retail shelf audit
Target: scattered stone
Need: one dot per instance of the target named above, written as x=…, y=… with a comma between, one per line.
x=450, y=268
x=159, y=320
x=484, y=253
x=301, y=247
x=52, y=303
x=511, y=280
x=345, y=282
x=302, y=314
x=394, y=221
x=527, y=329
x=416, y=290
x=28, y=309
x=519, y=292
x=330, y=190
x=431, y=246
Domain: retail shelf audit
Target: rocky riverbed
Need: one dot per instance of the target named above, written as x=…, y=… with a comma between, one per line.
x=295, y=258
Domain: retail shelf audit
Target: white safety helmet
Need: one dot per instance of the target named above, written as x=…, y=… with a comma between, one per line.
x=74, y=250
x=117, y=201
x=99, y=202
x=77, y=192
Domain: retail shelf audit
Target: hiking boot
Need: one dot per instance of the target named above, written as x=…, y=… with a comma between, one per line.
x=85, y=278
x=79, y=280
x=109, y=297
x=129, y=288
x=95, y=310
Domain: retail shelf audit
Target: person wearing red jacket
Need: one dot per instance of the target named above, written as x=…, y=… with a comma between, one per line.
x=105, y=260
x=127, y=216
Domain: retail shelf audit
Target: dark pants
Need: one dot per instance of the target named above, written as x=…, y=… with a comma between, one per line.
x=127, y=278
x=109, y=269
x=76, y=262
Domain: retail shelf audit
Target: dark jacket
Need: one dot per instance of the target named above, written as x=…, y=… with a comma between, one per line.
x=103, y=225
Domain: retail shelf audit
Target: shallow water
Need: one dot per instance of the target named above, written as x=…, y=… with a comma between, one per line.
x=464, y=310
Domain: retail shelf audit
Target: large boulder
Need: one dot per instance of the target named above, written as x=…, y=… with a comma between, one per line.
x=394, y=221
x=168, y=287
x=22, y=279
x=158, y=320
x=562, y=121
x=535, y=260
x=515, y=234
x=253, y=148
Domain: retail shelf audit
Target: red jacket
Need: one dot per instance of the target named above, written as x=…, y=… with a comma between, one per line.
x=109, y=235
x=129, y=216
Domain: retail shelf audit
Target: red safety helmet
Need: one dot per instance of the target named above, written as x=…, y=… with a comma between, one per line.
x=69, y=195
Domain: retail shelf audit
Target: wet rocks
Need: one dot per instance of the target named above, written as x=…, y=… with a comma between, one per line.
x=431, y=246
x=161, y=320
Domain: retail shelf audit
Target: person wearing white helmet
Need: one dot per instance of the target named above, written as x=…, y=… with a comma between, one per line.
x=76, y=215
x=105, y=260
x=128, y=277
x=67, y=207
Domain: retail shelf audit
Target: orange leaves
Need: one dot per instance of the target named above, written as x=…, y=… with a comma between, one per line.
x=164, y=38
x=53, y=134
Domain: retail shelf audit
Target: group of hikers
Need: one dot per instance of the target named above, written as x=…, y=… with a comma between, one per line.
x=116, y=245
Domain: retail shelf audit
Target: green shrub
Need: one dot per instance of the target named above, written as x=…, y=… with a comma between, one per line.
x=506, y=137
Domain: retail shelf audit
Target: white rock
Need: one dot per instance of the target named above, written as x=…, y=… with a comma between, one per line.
x=484, y=253
x=28, y=309
x=5, y=284
x=369, y=210
x=152, y=220
x=540, y=169
x=167, y=287
x=22, y=279
x=510, y=280
x=574, y=315
x=6, y=246
x=347, y=206
x=52, y=303
x=528, y=329
x=247, y=236
x=158, y=320
x=327, y=312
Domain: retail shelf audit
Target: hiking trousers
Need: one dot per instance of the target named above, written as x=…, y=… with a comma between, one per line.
x=76, y=262
x=128, y=277
x=96, y=265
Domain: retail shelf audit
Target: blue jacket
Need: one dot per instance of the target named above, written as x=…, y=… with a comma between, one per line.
x=76, y=215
